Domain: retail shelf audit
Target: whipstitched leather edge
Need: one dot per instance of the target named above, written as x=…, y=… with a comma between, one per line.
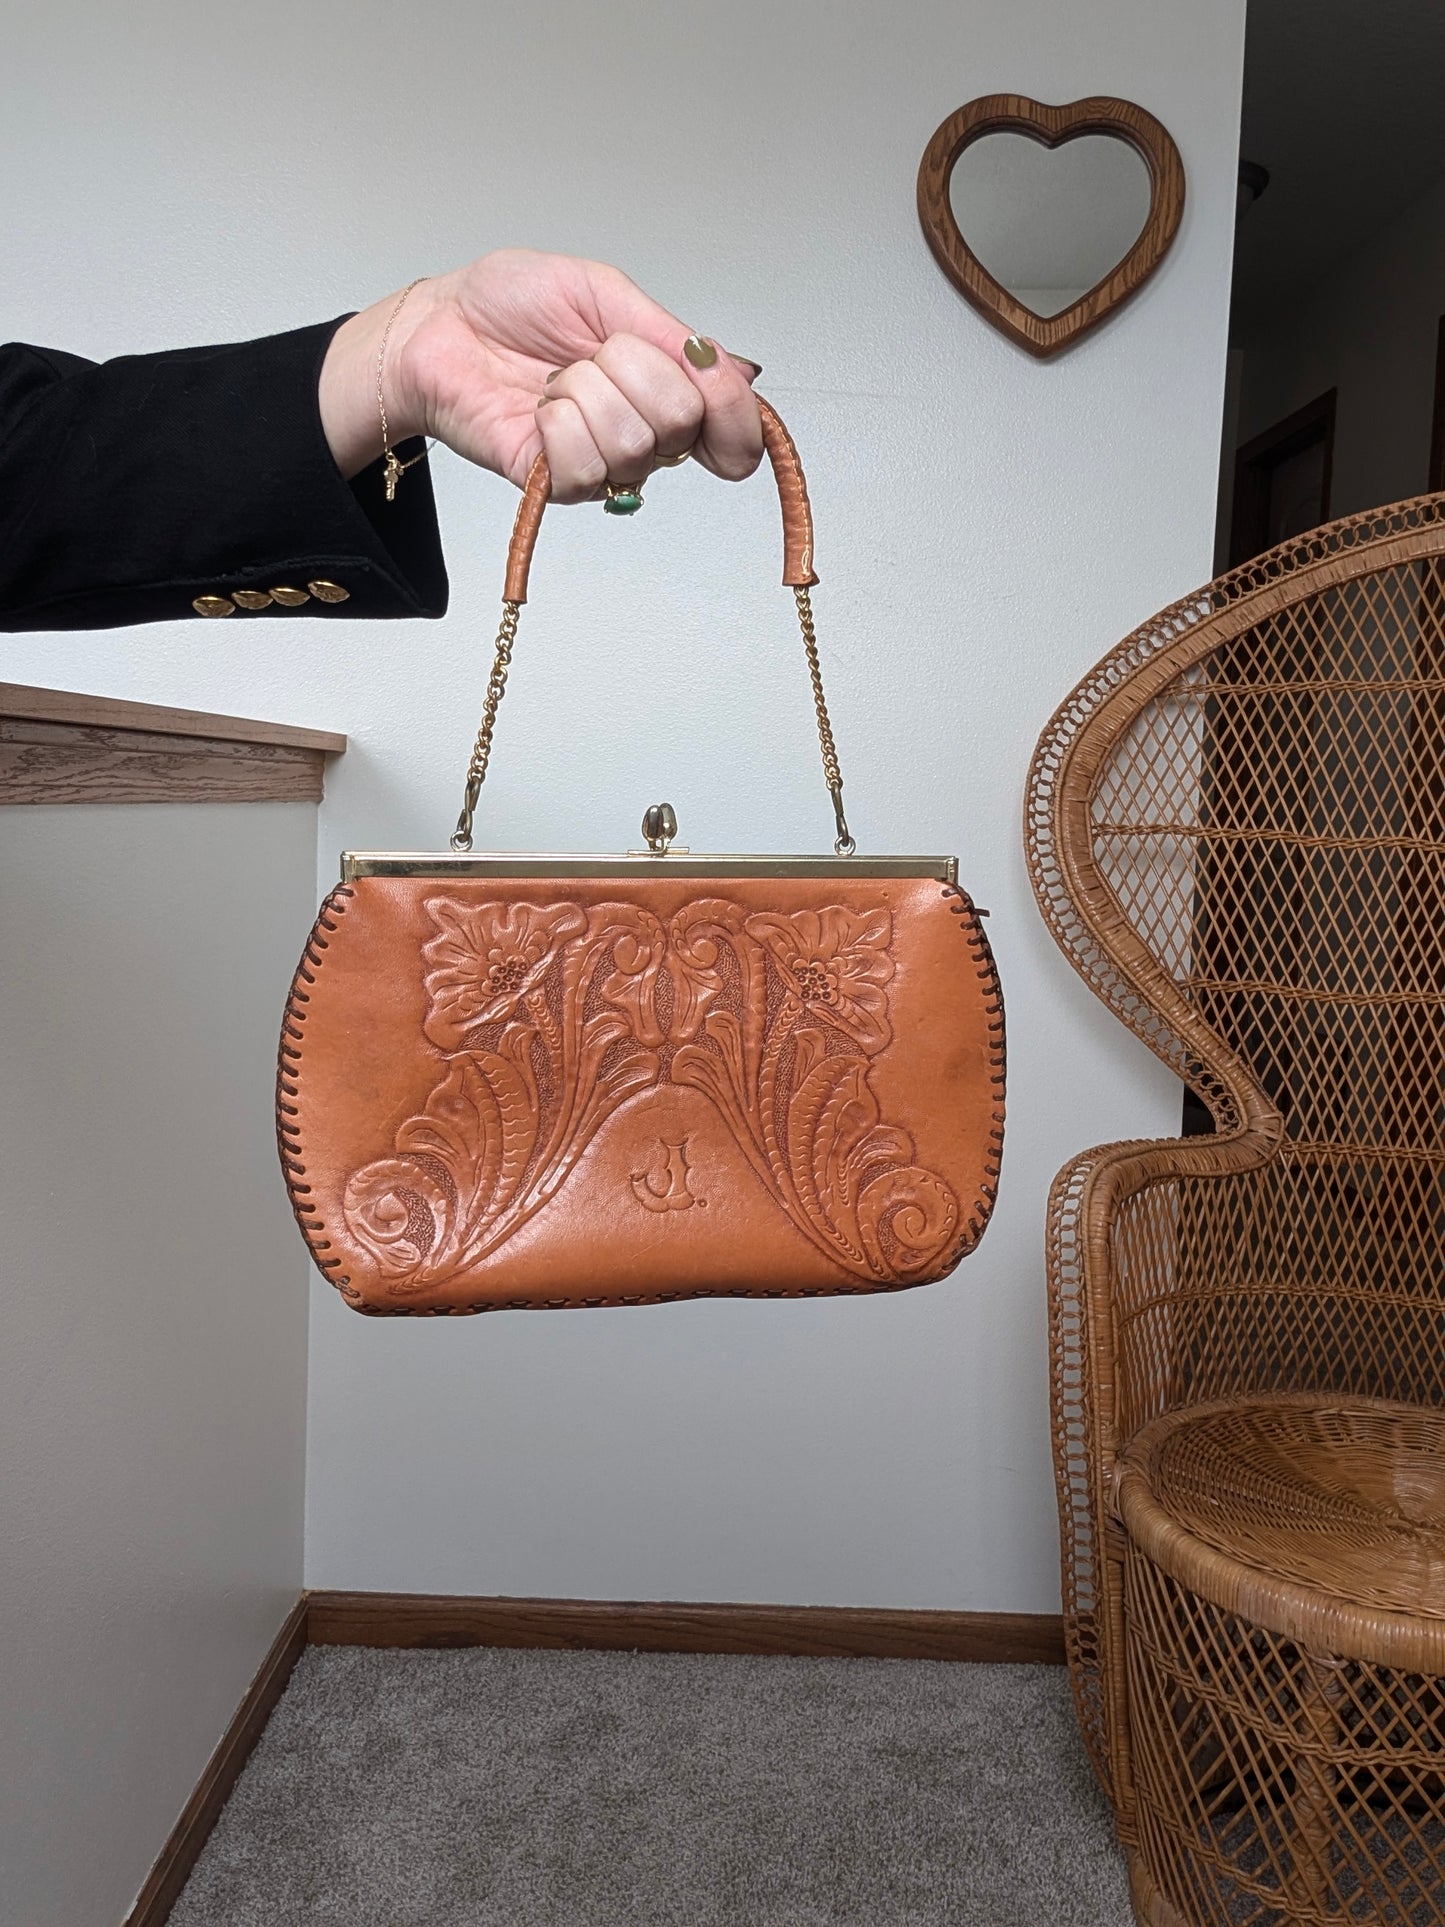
x=972, y=927
x=288, y=1065
x=292, y=1151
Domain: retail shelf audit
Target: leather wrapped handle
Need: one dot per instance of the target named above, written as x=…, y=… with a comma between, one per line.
x=792, y=495
x=797, y=575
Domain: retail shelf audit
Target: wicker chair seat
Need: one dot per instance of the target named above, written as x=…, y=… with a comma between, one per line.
x=1320, y=1518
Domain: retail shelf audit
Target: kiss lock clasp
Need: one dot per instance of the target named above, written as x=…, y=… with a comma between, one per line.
x=659, y=827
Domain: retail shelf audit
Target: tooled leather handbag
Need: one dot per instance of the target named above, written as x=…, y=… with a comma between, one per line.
x=511, y=1080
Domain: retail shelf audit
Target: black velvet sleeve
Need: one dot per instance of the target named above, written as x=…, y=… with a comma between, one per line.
x=132, y=489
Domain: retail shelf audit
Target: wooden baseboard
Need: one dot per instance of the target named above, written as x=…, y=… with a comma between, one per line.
x=576, y=1625
x=824, y=1632
x=190, y=1833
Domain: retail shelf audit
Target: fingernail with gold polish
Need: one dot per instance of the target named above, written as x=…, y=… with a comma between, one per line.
x=554, y=374
x=700, y=353
x=542, y=400
x=756, y=367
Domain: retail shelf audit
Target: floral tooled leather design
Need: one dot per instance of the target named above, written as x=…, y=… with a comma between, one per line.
x=551, y=1017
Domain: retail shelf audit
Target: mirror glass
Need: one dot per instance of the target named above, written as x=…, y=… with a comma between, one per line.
x=1049, y=223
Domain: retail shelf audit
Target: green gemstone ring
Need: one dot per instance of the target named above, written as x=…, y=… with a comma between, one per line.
x=623, y=498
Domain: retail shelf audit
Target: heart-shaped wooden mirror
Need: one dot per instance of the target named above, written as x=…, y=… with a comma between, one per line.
x=1052, y=127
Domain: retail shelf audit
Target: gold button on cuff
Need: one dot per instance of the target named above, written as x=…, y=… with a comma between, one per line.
x=329, y=592
x=214, y=605
x=252, y=598
x=290, y=598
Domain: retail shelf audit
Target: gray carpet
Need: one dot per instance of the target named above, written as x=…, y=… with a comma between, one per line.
x=526, y=1789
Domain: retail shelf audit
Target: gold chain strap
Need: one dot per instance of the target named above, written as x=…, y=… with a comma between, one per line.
x=482, y=750
x=843, y=844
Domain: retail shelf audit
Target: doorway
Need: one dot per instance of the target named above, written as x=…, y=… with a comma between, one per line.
x=1336, y=399
x=1282, y=480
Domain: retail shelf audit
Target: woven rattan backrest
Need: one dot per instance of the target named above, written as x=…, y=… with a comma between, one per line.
x=1236, y=830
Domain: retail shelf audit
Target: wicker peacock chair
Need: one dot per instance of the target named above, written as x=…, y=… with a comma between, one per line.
x=1236, y=830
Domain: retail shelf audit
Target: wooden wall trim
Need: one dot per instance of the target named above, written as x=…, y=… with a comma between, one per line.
x=110, y=712
x=201, y=1812
x=59, y=746
x=831, y=1632
x=65, y=763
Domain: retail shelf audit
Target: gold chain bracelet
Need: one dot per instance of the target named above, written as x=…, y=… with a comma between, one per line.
x=395, y=468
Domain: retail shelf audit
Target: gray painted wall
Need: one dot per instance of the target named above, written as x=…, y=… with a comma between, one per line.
x=153, y=1363
x=987, y=527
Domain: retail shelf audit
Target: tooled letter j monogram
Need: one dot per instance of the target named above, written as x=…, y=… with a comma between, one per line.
x=666, y=1189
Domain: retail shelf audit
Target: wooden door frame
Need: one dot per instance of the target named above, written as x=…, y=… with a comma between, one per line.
x=1255, y=459
x=1435, y=480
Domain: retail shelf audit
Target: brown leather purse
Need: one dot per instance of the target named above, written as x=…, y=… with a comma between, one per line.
x=514, y=1080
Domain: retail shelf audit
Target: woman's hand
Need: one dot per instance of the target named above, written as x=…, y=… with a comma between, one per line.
x=522, y=352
